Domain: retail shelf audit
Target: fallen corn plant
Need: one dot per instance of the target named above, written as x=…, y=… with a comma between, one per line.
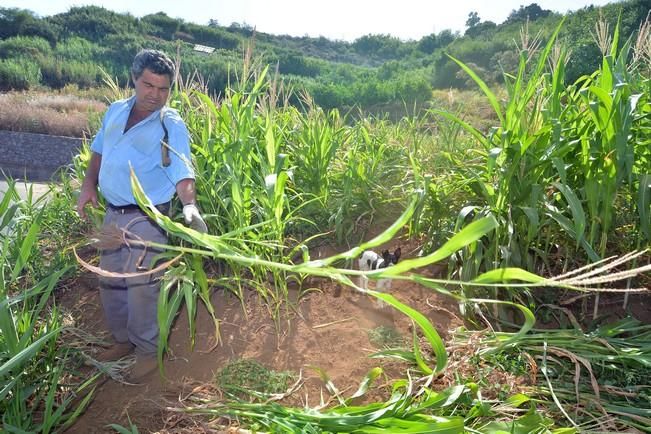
x=413, y=407
x=218, y=247
x=597, y=380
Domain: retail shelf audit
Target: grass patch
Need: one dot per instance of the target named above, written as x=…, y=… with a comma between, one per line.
x=247, y=378
x=386, y=337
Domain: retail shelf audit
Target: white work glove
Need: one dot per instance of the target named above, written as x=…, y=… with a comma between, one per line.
x=194, y=219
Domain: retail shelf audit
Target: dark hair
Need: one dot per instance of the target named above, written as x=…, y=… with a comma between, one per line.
x=155, y=61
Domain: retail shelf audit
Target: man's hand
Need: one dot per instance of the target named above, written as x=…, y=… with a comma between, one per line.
x=85, y=196
x=194, y=219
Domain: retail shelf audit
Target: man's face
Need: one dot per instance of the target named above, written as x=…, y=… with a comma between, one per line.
x=152, y=90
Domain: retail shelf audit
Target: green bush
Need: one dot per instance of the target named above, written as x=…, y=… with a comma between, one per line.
x=161, y=25
x=57, y=73
x=19, y=46
x=19, y=74
x=76, y=48
x=212, y=36
x=94, y=23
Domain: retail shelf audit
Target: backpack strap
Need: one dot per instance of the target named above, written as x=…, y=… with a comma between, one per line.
x=165, y=152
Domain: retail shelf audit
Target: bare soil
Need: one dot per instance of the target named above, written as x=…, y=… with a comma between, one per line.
x=328, y=328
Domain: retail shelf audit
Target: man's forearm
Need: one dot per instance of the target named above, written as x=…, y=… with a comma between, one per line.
x=186, y=192
x=92, y=172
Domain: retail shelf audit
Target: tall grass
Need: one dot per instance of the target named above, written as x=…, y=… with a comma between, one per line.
x=35, y=391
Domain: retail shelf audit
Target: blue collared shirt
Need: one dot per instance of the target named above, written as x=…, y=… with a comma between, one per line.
x=141, y=148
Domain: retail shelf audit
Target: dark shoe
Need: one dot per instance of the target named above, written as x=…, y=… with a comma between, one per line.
x=115, y=352
x=144, y=366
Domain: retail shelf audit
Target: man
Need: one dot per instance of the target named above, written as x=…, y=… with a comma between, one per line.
x=135, y=134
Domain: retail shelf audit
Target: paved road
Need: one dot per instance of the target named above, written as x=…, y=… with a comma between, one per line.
x=38, y=189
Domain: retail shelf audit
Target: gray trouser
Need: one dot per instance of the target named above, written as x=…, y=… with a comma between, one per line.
x=130, y=304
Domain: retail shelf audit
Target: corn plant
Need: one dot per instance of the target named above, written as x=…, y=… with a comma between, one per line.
x=242, y=175
x=610, y=163
x=219, y=247
x=509, y=179
x=553, y=167
x=412, y=407
x=365, y=177
x=34, y=396
x=314, y=148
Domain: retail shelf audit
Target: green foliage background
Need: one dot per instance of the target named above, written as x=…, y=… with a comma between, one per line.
x=375, y=72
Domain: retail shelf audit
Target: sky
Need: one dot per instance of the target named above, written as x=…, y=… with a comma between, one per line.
x=335, y=19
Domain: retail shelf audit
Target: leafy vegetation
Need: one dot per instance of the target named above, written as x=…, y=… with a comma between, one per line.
x=36, y=392
x=374, y=72
x=247, y=378
x=521, y=208
x=385, y=337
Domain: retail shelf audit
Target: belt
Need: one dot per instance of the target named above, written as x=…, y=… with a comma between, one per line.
x=130, y=208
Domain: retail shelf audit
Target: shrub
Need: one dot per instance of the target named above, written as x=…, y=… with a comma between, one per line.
x=56, y=73
x=20, y=46
x=76, y=48
x=19, y=74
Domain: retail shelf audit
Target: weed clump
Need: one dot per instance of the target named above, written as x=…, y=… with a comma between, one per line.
x=247, y=378
x=385, y=337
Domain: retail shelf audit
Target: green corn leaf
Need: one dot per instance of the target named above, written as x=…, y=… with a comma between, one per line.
x=418, y=357
x=567, y=225
x=483, y=86
x=9, y=386
x=407, y=356
x=644, y=205
x=367, y=381
x=188, y=287
x=471, y=233
x=426, y=326
x=26, y=354
x=8, y=213
x=503, y=275
x=26, y=248
x=578, y=216
x=465, y=125
x=436, y=425
x=532, y=422
x=168, y=306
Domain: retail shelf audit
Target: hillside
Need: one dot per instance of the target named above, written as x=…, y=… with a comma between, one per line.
x=372, y=71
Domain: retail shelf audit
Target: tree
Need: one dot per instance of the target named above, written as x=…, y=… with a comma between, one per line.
x=446, y=37
x=14, y=22
x=162, y=25
x=485, y=29
x=380, y=46
x=428, y=44
x=531, y=12
x=473, y=19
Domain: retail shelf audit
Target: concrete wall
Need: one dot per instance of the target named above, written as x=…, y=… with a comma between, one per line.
x=35, y=157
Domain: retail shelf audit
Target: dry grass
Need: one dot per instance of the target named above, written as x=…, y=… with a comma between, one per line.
x=47, y=113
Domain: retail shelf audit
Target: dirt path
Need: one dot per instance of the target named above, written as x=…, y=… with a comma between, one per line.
x=329, y=329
